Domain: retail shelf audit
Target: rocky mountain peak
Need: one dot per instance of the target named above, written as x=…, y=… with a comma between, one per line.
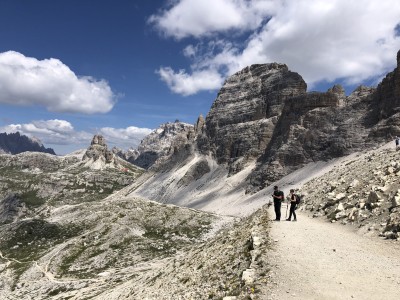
x=199, y=127
x=98, y=140
x=242, y=119
x=398, y=58
x=14, y=143
x=263, y=114
x=337, y=90
x=98, y=156
x=160, y=143
x=388, y=93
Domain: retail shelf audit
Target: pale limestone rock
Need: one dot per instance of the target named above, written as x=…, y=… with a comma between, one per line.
x=340, y=196
x=248, y=276
x=340, y=207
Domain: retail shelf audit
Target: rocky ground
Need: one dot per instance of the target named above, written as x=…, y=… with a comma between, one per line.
x=65, y=234
x=81, y=251
x=123, y=247
x=363, y=191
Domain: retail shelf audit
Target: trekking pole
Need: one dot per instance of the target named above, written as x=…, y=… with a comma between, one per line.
x=287, y=206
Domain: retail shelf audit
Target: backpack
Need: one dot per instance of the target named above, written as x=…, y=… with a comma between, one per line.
x=298, y=199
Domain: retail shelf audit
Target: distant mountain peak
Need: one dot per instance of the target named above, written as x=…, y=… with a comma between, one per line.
x=15, y=143
x=97, y=156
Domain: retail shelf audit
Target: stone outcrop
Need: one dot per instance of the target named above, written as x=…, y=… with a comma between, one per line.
x=242, y=119
x=97, y=156
x=316, y=126
x=160, y=144
x=98, y=150
x=14, y=143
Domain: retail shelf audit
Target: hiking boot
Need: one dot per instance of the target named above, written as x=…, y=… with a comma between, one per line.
x=276, y=220
x=287, y=219
x=294, y=220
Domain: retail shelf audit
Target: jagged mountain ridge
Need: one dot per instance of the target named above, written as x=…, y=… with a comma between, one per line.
x=157, y=146
x=14, y=143
x=263, y=126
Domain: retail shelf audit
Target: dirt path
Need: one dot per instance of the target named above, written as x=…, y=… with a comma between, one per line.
x=314, y=259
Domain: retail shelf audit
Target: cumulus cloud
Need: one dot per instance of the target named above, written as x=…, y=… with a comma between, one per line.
x=322, y=40
x=56, y=132
x=61, y=133
x=185, y=84
x=206, y=17
x=50, y=83
x=129, y=137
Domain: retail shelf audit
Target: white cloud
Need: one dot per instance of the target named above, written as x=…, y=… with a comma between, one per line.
x=50, y=83
x=60, y=134
x=321, y=40
x=124, y=137
x=206, y=17
x=185, y=84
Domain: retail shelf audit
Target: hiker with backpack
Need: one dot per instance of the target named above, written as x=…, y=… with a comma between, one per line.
x=278, y=199
x=294, y=201
x=397, y=141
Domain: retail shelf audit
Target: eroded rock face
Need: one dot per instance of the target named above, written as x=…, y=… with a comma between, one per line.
x=263, y=112
x=313, y=127
x=98, y=150
x=388, y=92
x=242, y=119
x=387, y=105
x=160, y=144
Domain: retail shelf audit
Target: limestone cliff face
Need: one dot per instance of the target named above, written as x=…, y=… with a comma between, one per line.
x=264, y=113
x=264, y=116
x=161, y=143
x=387, y=105
x=315, y=127
x=244, y=115
x=388, y=92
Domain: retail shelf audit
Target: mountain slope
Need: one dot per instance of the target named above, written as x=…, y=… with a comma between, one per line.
x=364, y=192
x=81, y=251
x=264, y=126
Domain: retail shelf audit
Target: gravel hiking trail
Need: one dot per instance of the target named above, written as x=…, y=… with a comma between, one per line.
x=315, y=259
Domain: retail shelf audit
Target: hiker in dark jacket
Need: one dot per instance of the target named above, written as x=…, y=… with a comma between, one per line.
x=278, y=198
x=293, y=204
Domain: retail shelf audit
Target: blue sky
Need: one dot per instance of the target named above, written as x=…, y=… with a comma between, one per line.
x=70, y=69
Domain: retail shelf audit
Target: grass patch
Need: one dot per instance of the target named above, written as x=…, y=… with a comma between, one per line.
x=31, y=199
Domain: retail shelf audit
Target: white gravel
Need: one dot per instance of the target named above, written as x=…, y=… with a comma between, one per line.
x=315, y=259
